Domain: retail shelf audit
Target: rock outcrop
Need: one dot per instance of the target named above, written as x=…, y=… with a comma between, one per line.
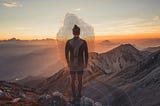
x=12, y=94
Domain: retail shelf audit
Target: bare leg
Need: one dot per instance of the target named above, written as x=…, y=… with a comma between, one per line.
x=79, y=84
x=73, y=77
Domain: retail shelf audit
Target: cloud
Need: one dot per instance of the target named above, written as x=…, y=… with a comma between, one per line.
x=77, y=9
x=156, y=18
x=22, y=28
x=70, y=20
x=12, y=4
x=129, y=26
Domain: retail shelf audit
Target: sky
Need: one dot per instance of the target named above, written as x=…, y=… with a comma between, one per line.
x=31, y=19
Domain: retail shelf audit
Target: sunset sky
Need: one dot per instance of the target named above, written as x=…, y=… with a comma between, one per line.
x=31, y=19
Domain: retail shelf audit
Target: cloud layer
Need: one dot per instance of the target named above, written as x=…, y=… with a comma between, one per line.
x=129, y=26
x=12, y=4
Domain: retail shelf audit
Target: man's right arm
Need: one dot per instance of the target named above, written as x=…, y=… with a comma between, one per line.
x=86, y=53
x=67, y=52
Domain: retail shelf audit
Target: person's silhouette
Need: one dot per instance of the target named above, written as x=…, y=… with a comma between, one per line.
x=76, y=53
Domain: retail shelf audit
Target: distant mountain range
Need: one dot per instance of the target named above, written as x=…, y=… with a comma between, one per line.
x=108, y=43
x=15, y=39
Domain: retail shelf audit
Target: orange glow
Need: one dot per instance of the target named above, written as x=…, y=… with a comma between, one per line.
x=97, y=37
x=137, y=36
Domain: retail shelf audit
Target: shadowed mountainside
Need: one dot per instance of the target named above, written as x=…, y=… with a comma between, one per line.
x=125, y=87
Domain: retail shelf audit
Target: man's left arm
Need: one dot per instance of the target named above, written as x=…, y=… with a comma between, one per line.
x=67, y=52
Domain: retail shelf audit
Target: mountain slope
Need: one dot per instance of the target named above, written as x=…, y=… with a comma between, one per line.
x=119, y=58
x=135, y=84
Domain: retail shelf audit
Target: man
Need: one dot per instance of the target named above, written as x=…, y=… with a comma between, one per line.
x=76, y=52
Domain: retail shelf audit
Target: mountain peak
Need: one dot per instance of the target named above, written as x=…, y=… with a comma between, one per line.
x=108, y=42
x=13, y=39
x=127, y=45
x=121, y=57
x=125, y=48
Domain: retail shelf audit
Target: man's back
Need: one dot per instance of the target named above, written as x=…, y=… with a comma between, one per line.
x=76, y=50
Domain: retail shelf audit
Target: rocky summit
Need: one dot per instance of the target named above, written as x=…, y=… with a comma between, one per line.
x=12, y=94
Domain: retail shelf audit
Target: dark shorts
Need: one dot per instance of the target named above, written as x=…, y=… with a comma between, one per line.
x=76, y=72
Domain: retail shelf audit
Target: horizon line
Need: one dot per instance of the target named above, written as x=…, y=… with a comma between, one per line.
x=97, y=37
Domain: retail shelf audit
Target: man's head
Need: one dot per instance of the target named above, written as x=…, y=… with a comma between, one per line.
x=76, y=31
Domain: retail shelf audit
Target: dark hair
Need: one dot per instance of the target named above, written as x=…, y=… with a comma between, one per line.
x=76, y=30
